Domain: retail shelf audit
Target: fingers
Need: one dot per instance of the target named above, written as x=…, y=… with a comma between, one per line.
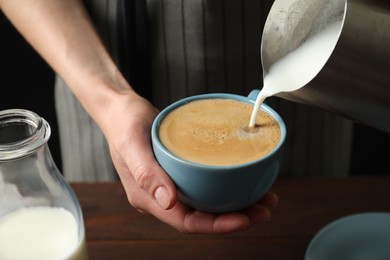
x=197, y=222
x=260, y=212
x=192, y=221
x=269, y=200
x=187, y=220
x=257, y=214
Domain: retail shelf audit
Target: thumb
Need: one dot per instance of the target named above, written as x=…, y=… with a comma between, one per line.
x=151, y=178
x=148, y=174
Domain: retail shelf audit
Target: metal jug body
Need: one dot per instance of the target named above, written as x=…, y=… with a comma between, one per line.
x=355, y=81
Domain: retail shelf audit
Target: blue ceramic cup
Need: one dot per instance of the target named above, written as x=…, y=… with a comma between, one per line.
x=219, y=189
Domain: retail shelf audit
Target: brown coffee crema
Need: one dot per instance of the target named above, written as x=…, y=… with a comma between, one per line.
x=215, y=132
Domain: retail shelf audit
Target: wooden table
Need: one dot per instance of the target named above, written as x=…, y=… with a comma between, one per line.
x=117, y=231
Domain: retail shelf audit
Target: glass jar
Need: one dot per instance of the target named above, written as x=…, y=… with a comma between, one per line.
x=40, y=216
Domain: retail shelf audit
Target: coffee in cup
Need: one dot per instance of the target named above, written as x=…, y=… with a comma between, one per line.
x=215, y=132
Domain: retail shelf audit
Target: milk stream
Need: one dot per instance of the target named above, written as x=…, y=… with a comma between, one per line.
x=298, y=67
x=40, y=233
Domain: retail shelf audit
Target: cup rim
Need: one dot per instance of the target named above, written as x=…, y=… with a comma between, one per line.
x=264, y=107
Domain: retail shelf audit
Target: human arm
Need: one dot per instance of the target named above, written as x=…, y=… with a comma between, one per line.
x=62, y=33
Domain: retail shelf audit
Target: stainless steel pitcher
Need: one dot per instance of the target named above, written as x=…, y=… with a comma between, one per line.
x=355, y=81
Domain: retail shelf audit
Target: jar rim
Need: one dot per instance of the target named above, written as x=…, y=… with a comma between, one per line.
x=36, y=133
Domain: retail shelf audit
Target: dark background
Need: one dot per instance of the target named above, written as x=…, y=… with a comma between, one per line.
x=28, y=82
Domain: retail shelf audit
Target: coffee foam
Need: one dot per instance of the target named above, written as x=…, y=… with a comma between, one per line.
x=214, y=132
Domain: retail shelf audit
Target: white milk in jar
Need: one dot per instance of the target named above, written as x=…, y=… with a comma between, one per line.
x=37, y=233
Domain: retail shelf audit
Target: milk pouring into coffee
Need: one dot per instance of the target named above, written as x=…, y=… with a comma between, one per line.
x=298, y=67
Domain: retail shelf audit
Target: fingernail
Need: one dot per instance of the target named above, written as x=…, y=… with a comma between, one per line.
x=268, y=216
x=161, y=196
x=263, y=215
